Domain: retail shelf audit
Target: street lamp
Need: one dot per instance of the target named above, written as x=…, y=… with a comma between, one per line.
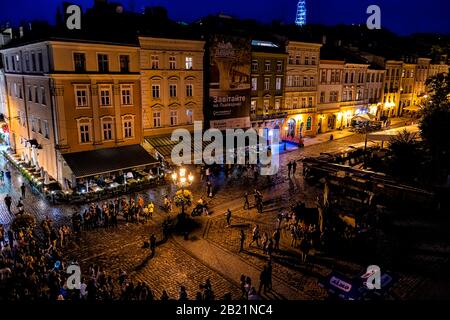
x=182, y=179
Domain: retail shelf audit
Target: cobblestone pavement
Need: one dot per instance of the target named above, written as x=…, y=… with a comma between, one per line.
x=173, y=264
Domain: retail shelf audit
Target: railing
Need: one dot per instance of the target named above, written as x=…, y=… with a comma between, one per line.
x=259, y=117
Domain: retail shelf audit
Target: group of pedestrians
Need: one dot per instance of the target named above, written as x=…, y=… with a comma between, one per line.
x=258, y=200
x=292, y=167
x=248, y=290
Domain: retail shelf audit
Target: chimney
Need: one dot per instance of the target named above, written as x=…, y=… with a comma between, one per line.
x=21, y=32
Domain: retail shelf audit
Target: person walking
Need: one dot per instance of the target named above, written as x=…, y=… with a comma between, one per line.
x=269, y=274
x=228, y=217
x=153, y=244
x=276, y=237
x=255, y=236
x=151, y=209
x=289, y=168
x=22, y=190
x=241, y=240
x=246, y=202
x=8, y=202
x=263, y=280
x=294, y=167
x=209, y=189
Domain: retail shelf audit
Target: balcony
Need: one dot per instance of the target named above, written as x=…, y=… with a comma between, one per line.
x=270, y=116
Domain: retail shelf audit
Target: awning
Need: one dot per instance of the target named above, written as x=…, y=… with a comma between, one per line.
x=91, y=163
x=164, y=145
x=387, y=135
x=412, y=108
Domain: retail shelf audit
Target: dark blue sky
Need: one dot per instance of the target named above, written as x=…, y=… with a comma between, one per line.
x=400, y=16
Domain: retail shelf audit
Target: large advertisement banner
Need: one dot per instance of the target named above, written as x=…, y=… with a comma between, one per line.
x=229, y=87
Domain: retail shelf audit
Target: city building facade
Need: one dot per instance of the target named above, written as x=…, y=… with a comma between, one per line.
x=68, y=97
x=300, y=92
x=268, y=71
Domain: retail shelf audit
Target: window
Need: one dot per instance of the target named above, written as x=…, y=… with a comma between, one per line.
x=297, y=81
x=254, y=84
x=156, y=119
x=36, y=95
x=172, y=63
x=297, y=59
x=79, y=60
x=290, y=81
x=124, y=63
x=128, y=124
x=103, y=65
x=33, y=61
x=322, y=97
x=337, y=76
x=266, y=84
x=189, y=63
x=313, y=61
x=351, y=77
x=126, y=94
x=81, y=96
x=308, y=123
x=312, y=82
x=173, y=118
x=155, y=62
x=306, y=60
x=40, y=62
x=359, y=95
x=30, y=94
x=310, y=102
x=253, y=105
x=303, y=102
x=279, y=66
x=20, y=92
x=43, y=97
x=277, y=104
x=305, y=81
x=254, y=66
x=7, y=63
x=267, y=65
x=46, y=129
x=266, y=106
x=84, y=130
x=291, y=60
x=39, y=126
x=27, y=62
x=107, y=126
x=105, y=95
x=346, y=77
x=173, y=90
x=189, y=116
x=278, y=84
x=323, y=76
x=155, y=91
x=189, y=90
x=333, y=96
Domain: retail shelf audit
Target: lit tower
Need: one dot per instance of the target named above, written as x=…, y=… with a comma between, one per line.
x=300, y=18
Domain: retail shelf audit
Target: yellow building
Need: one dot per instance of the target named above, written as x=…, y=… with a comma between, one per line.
x=302, y=75
x=330, y=94
x=172, y=88
x=69, y=100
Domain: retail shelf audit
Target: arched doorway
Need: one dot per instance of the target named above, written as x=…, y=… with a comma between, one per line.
x=291, y=128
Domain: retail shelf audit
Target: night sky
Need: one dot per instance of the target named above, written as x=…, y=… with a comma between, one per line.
x=401, y=16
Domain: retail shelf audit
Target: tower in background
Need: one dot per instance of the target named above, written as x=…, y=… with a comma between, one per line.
x=300, y=18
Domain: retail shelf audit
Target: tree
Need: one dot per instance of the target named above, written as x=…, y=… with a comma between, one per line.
x=435, y=124
x=405, y=156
